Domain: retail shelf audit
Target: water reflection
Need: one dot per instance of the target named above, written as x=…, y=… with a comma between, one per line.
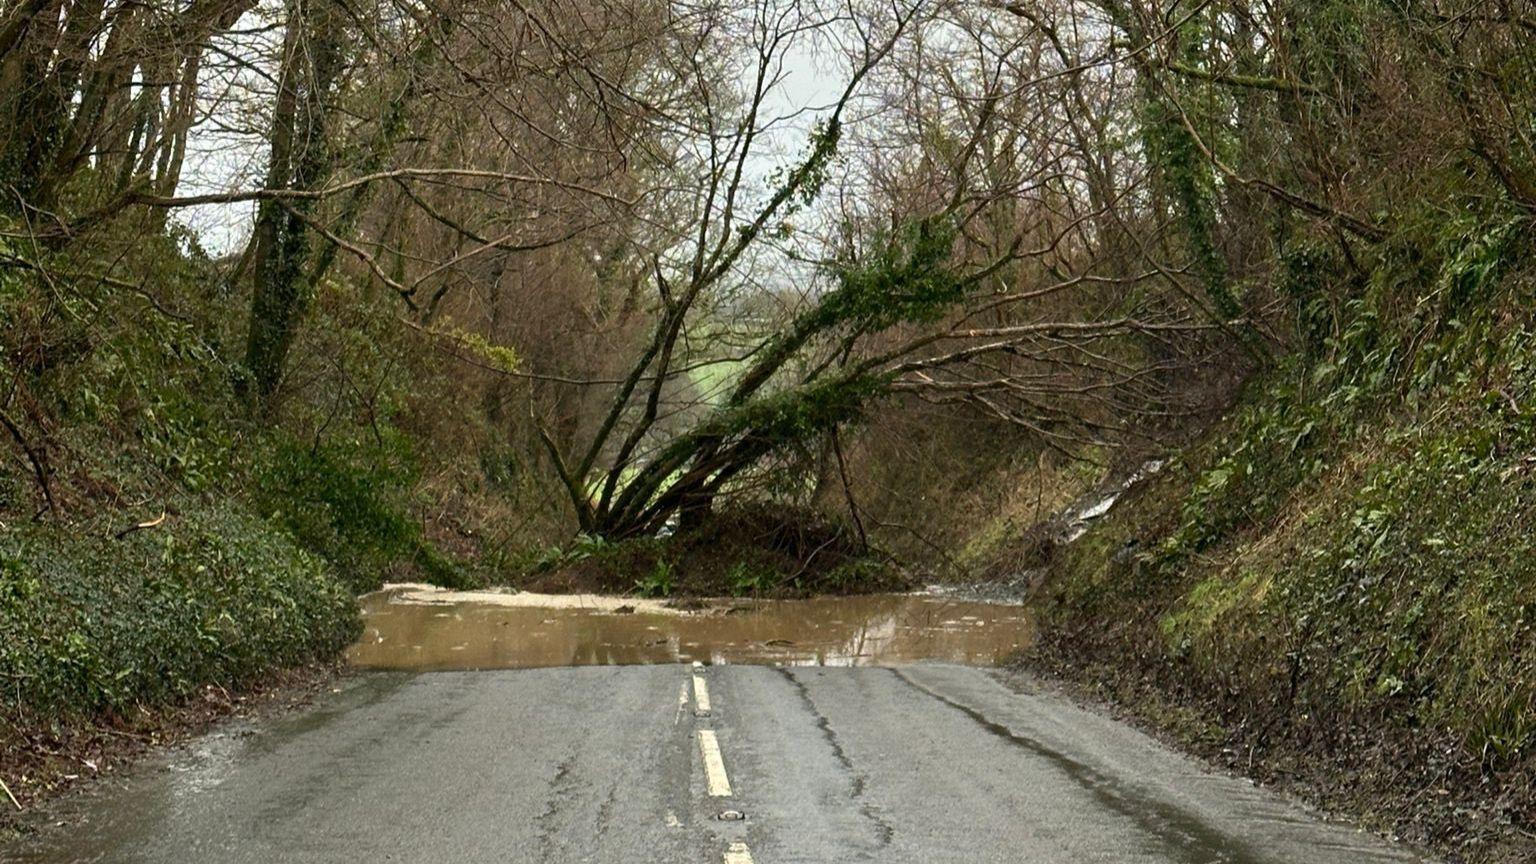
x=422, y=628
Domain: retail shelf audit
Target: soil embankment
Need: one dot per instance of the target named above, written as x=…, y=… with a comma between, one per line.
x=1359, y=632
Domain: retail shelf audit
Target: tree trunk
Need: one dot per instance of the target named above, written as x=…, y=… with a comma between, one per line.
x=300, y=160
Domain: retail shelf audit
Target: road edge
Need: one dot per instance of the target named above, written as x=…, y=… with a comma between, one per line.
x=42, y=767
x=1179, y=729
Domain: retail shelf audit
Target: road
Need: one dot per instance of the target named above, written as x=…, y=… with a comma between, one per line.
x=927, y=763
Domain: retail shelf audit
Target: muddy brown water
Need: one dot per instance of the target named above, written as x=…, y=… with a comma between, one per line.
x=413, y=627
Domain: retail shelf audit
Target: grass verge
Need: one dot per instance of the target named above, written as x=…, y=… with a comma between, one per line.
x=1350, y=615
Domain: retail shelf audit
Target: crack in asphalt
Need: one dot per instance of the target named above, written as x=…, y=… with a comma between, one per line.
x=857, y=778
x=1183, y=834
x=605, y=810
x=559, y=789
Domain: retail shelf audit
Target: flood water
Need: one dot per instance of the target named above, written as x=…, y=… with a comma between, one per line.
x=414, y=627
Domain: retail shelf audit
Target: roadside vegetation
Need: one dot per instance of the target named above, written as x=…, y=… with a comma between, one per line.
x=1334, y=588
x=301, y=296
x=157, y=538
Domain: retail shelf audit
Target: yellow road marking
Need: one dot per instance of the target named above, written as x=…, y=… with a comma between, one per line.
x=701, y=693
x=714, y=767
x=738, y=853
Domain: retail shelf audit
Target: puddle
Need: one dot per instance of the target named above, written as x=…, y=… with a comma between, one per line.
x=423, y=628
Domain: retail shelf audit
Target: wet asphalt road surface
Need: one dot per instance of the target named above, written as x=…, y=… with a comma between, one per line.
x=922, y=764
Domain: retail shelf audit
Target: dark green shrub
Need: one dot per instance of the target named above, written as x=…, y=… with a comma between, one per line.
x=347, y=503
x=93, y=625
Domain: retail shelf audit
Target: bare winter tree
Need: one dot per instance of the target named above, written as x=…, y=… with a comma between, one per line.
x=968, y=206
x=1044, y=211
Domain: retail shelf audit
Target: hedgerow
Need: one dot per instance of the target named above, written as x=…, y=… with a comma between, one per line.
x=92, y=625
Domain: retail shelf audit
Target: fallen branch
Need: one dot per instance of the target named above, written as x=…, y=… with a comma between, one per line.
x=38, y=457
x=140, y=526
